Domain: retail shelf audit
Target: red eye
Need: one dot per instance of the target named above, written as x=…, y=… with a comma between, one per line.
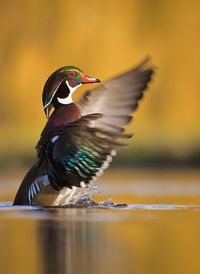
x=72, y=73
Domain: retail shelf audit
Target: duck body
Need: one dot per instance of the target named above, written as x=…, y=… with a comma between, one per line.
x=37, y=175
x=79, y=139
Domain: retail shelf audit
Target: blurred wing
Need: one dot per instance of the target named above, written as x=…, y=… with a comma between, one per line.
x=78, y=153
x=117, y=98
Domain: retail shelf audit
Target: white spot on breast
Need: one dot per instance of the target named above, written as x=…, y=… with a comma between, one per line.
x=55, y=138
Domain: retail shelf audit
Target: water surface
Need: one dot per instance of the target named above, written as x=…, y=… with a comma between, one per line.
x=157, y=232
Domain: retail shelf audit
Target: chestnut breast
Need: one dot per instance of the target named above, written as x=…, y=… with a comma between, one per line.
x=64, y=114
x=61, y=116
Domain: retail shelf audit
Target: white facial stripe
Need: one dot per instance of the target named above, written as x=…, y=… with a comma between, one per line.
x=65, y=101
x=72, y=89
x=53, y=95
x=68, y=99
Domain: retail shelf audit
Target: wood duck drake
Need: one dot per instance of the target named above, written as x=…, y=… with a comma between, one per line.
x=80, y=139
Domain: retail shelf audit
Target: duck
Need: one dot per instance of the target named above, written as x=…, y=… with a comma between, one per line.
x=80, y=137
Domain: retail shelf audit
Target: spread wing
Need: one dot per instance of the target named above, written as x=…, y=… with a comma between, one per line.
x=78, y=153
x=117, y=98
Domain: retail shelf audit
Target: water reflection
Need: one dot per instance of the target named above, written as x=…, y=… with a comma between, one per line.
x=158, y=232
x=138, y=239
x=80, y=246
x=135, y=243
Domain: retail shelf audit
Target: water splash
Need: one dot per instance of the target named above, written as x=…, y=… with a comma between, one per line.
x=83, y=198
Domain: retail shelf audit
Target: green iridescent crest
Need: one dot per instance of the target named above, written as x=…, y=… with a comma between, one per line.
x=73, y=77
x=55, y=79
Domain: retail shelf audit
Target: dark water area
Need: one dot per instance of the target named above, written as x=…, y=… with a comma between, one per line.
x=156, y=232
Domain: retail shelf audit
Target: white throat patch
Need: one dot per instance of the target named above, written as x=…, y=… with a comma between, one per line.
x=68, y=99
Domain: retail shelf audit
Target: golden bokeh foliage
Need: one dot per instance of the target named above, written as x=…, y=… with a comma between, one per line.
x=103, y=38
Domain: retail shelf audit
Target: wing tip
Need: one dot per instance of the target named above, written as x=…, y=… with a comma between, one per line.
x=147, y=66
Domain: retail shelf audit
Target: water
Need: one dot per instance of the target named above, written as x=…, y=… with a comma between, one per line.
x=156, y=232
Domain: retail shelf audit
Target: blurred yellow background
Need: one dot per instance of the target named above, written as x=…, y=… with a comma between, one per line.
x=103, y=38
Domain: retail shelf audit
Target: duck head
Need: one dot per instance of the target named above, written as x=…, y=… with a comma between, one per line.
x=60, y=86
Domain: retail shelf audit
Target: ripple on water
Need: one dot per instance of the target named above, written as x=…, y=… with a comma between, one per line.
x=94, y=212
x=104, y=205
